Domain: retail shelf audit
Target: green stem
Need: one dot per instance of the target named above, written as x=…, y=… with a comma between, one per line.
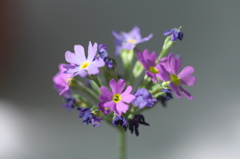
x=80, y=86
x=163, y=52
x=122, y=144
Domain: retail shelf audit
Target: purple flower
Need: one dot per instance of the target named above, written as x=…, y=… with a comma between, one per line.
x=69, y=103
x=102, y=53
x=61, y=81
x=129, y=40
x=164, y=98
x=169, y=73
x=117, y=99
x=143, y=99
x=149, y=63
x=120, y=120
x=88, y=117
x=175, y=34
x=83, y=66
x=134, y=123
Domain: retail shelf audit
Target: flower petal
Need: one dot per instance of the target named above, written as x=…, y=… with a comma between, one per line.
x=185, y=76
x=173, y=64
x=111, y=105
x=113, y=84
x=186, y=93
x=82, y=73
x=92, y=50
x=168, y=32
x=128, y=98
x=106, y=94
x=121, y=108
x=175, y=90
x=120, y=86
x=72, y=58
x=146, y=38
x=164, y=74
x=79, y=51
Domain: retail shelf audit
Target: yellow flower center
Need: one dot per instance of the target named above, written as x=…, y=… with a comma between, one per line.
x=132, y=41
x=153, y=69
x=84, y=65
x=116, y=98
x=175, y=79
x=69, y=79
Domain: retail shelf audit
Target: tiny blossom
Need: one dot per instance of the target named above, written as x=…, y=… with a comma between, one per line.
x=175, y=34
x=169, y=73
x=88, y=117
x=129, y=40
x=117, y=99
x=83, y=66
x=69, y=103
x=102, y=53
x=120, y=120
x=61, y=81
x=149, y=63
x=134, y=123
x=164, y=98
x=143, y=99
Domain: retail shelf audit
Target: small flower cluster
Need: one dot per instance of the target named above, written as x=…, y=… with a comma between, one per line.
x=110, y=98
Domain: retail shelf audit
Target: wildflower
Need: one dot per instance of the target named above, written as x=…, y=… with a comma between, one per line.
x=83, y=66
x=88, y=117
x=175, y=34
x=120, y=120
x=69, y=103
x=134, y=123
x=149, y=63
x=102, y=53
x=184, y=77
x=116, y=100
x=129, y=40
x=143, y=99
x=164, y=98
x=61, y=81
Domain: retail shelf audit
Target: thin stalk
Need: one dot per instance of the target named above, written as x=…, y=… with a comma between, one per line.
x=122, y=144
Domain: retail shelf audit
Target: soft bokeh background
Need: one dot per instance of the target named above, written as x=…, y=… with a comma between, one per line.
x=34, y=37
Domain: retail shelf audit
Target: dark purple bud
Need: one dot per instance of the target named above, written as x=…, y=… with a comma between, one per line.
x=119, y=120
x=134, y=123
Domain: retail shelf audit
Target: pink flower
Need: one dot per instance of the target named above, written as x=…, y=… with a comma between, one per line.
x=169, y=72
x=117, y=99
x=61, y=81
x=149, y=63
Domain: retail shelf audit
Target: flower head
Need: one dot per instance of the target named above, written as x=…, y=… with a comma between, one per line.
x=83, y=66
x=117, y=99
x=149, y=63
x=102, y=53
x=120, y=120
x=170, y=73
x=175, y=34
x=129, y=40
x=143, y=98
x=61, y=81
x=134, y=123
x=69, y=103
x=88, y=117
x=164, y=98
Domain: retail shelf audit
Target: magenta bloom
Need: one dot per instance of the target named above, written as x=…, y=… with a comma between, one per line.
x=61, y=81
x=170, y=73
x=117, y=99
x=129, y=40
x=83, y=66
x=149, y=63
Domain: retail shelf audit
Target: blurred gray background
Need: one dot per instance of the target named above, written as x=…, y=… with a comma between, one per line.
x=35, y=36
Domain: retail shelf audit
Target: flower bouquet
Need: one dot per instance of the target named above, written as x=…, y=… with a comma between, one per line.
x=95, y=88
